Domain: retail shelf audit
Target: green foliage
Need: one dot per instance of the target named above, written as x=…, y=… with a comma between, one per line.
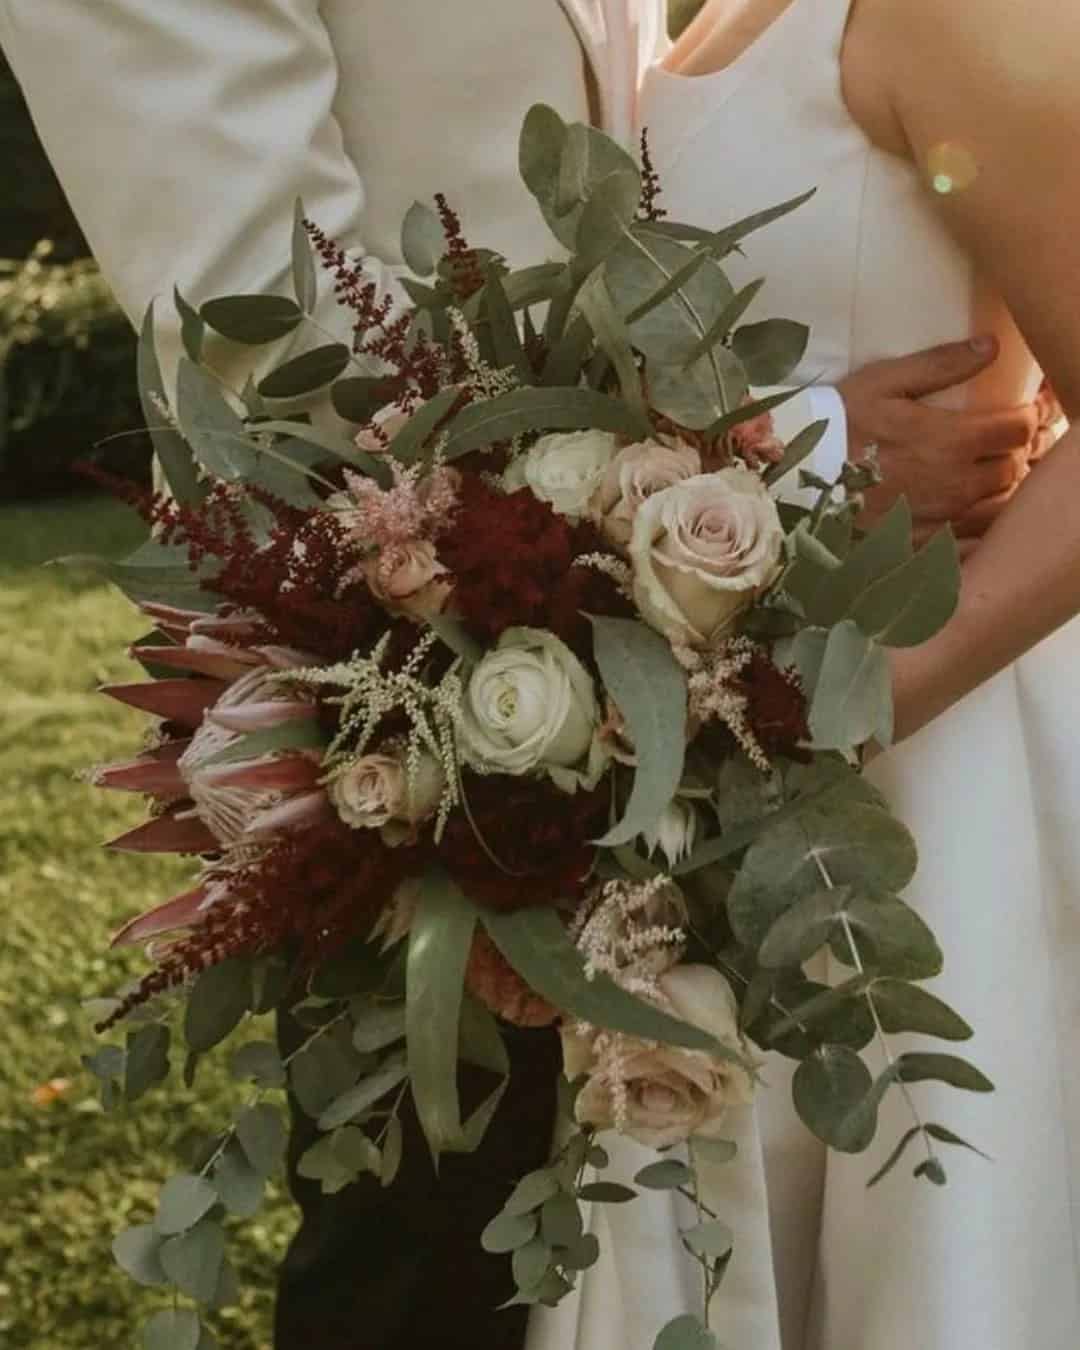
x=72, y=1177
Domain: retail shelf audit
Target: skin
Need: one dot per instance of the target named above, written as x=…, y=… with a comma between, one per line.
x=996, y=79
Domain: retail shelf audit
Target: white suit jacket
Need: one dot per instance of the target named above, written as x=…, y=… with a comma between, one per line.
x=183, y=130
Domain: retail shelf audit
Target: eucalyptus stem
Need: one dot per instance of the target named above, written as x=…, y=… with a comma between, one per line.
x=702, y=1209
x=879, y=1030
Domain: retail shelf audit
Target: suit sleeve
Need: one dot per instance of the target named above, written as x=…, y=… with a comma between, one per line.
x=182, y=132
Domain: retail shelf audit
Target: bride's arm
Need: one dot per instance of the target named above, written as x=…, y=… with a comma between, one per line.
x=996, y=82
x=182, y=131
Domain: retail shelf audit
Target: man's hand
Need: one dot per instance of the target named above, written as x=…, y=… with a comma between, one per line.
x=958, y=467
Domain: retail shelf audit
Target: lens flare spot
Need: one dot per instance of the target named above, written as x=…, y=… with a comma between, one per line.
x=951, y=167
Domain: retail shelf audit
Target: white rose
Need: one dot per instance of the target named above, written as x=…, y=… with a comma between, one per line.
x=564, y=469
x=674, y=833
x=670, y=1093
x=702, y=551
x=529, y=705
x=377, y=792
x=636, y=473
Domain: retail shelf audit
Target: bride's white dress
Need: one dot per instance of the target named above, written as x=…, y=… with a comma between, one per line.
x=991, y=791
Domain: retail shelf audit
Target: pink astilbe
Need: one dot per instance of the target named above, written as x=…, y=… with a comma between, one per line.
x=389, y=521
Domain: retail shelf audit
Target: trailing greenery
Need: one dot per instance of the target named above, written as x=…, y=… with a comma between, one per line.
x=70, y=1176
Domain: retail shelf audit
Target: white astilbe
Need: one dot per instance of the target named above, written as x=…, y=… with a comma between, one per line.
x=633, y=933
x=713, y=696
x=371, y=694
x=484, y=380
x=621, y=573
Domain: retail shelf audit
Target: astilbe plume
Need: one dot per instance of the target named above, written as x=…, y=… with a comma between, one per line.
x=466, y=275
x=301, y=582
x=306, y=893
x=649, y=207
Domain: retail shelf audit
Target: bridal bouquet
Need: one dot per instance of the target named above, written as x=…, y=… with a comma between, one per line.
x=529, y=702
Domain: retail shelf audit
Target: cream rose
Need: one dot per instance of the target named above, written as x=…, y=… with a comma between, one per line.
x=702, y=551
x=564, y=469
x=636, y=473
x=670, y=1093
x=409, y=579
x=378, y=792
x=529, y=705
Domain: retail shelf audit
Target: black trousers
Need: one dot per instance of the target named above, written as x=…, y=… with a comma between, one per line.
x=402, y=1268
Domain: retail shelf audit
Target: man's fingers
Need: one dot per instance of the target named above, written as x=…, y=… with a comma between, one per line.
x=933, y=370
x=1000, y=433
x=989, y=477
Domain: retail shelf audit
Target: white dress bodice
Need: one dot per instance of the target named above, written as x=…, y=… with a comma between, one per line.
x=867, y=263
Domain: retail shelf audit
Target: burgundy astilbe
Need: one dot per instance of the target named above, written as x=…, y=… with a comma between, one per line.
x=466, y=275
x=649, y=208
x=776, y=706
x=544, y=859
x=307, y=893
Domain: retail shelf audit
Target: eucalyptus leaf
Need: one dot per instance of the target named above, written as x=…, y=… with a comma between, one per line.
x=712, y=1240
x=358, y=397
x=889, y=937
x=146, y=1062
x=804, y=928
x=594, y=302
x=440, y=939
x=304, y=277
x=906, y=1007
x=183, y=1201
x=853, y=701
x=798, y=449
x=686, y=1333
x=215, y=432
x=722, y=242
x=606, y=1193
x=648, y=687
x=172, y=451
x=356, y=1101
x=322, y=1072
x=607, y=216
x=910, y=604
x=392, y=1153
x=239, y=1186
x=918, y=1067
x=746, y=412
x=771, y=350
x=529, y=1264
x=193, y=1260
x=422, y=240
x=932, y=1170
x=717, y=1152
x=855, y=843
x=252, y=319
x=172, y=1329
x=218, y=1000
x=894, y=1157
x=376, y=1024
x=192, y=327
x=545, y=409
x=409, y=443
x=698, y=395
x=582, y=1255
x=540, y=149
x=261, y=1133
x=560, y=1220
x=829, y=1089
x=509, y=351
x=728, y=317
x=137, y=1252
x=537, y=945
x=944, y=1136
x=531, y=1192
x=306, y=373
x=664, y=1175
x=508, y=1232
x=887, y=547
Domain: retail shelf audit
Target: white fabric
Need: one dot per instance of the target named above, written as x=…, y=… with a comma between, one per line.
x=991, y=791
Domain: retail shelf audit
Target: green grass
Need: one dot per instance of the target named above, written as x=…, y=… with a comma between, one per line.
x=70, y=1175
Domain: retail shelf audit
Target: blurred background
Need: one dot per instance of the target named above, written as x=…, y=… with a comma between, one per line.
x=70, y=1175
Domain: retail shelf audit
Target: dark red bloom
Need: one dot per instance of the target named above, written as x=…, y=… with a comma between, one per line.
x=536, y=836
x=582, y=591
x=776, y=705
x=491, y=978
x=507, y=553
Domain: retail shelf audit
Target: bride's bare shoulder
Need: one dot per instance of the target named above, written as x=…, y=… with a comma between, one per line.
x=909, y=62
